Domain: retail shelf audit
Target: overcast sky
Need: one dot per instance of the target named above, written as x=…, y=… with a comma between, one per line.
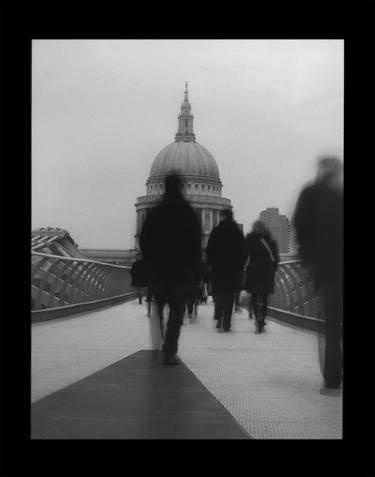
x=103, y=109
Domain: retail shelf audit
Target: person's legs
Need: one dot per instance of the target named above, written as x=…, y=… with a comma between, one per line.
x=254, y=302
x=196, y=303
x=205, y=296
x=140, y=294
x=237, y=301
x=255, y=305
x=219, y=309
x=176, y=314
x=265, y=307
x=250, y=307
x=227, y=309
x=148, y=300
x=332, y=300
x=161, y=317
x=190, y=305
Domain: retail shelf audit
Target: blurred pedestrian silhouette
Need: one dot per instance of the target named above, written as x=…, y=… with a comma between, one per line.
x=262, y=255
x=318, y=220
x=170, y=241
x=225, y=255
x=139, y=276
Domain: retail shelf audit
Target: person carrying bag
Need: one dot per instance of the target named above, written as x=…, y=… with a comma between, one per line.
x=262, y=255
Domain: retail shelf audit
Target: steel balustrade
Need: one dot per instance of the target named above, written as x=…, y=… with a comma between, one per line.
x=294, y=299
x=58, y=281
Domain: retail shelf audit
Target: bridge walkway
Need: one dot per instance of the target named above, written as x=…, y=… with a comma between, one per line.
x=271, y=383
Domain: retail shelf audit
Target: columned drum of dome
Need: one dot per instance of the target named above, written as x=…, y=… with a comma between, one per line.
x=198, y=171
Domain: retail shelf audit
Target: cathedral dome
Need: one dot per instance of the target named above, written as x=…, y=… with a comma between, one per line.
x=187, y=158
x=200, y=180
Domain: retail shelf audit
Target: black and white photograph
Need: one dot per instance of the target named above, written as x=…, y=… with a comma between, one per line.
x=180, y=292
x=187, y=239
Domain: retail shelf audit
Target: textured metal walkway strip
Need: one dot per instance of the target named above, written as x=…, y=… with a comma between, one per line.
x=135, y=398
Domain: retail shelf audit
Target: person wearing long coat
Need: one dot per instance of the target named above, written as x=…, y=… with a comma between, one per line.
x=170, y=242
x=318, y=221
x=225, y=256
x=262, y=254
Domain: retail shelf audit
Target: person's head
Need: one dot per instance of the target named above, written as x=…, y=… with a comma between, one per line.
x=226, y=214
x=173, y=185
x=329, y=168
x=260, y=227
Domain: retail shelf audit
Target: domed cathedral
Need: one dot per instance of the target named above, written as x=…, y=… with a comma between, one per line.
x=198, y=171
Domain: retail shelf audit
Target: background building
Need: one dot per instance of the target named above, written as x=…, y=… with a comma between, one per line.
x=279, y=227
x=198, y=171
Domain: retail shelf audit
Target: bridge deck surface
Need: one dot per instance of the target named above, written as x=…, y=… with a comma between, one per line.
x=135, y=398
x=270, y=383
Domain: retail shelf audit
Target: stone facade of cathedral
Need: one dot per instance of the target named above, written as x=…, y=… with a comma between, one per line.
x=198, y=171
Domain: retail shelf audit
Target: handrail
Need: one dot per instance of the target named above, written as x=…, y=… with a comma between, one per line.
x=59, y=281
x=78, y=259
x=294, y=292
x=68, y=310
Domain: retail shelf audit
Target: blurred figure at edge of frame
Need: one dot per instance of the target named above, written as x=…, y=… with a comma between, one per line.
x=318, y=221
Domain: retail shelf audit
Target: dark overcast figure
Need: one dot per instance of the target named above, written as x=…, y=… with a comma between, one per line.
x=170, y=241
x=263, y=255
x=225, y=256
x=318, y=220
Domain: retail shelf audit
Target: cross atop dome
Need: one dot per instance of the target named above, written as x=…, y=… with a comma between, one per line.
x=185, y=120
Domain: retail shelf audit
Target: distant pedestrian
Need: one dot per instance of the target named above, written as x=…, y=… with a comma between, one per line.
x=193, y=300
x=170, y=241
x=237, y=294
x=318, y=220
x=139, y=276
x=262, y=254
x=225, y=255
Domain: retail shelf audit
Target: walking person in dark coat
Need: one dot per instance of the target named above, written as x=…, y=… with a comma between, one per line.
x=262, y=252
x=225, y=255
x=318, y=220
x=170, y=241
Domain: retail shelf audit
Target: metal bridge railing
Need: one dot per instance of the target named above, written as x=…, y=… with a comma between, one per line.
x=58, y=281
x=294, y=299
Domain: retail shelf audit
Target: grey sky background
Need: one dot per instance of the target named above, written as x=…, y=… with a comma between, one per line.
x=103, y=109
